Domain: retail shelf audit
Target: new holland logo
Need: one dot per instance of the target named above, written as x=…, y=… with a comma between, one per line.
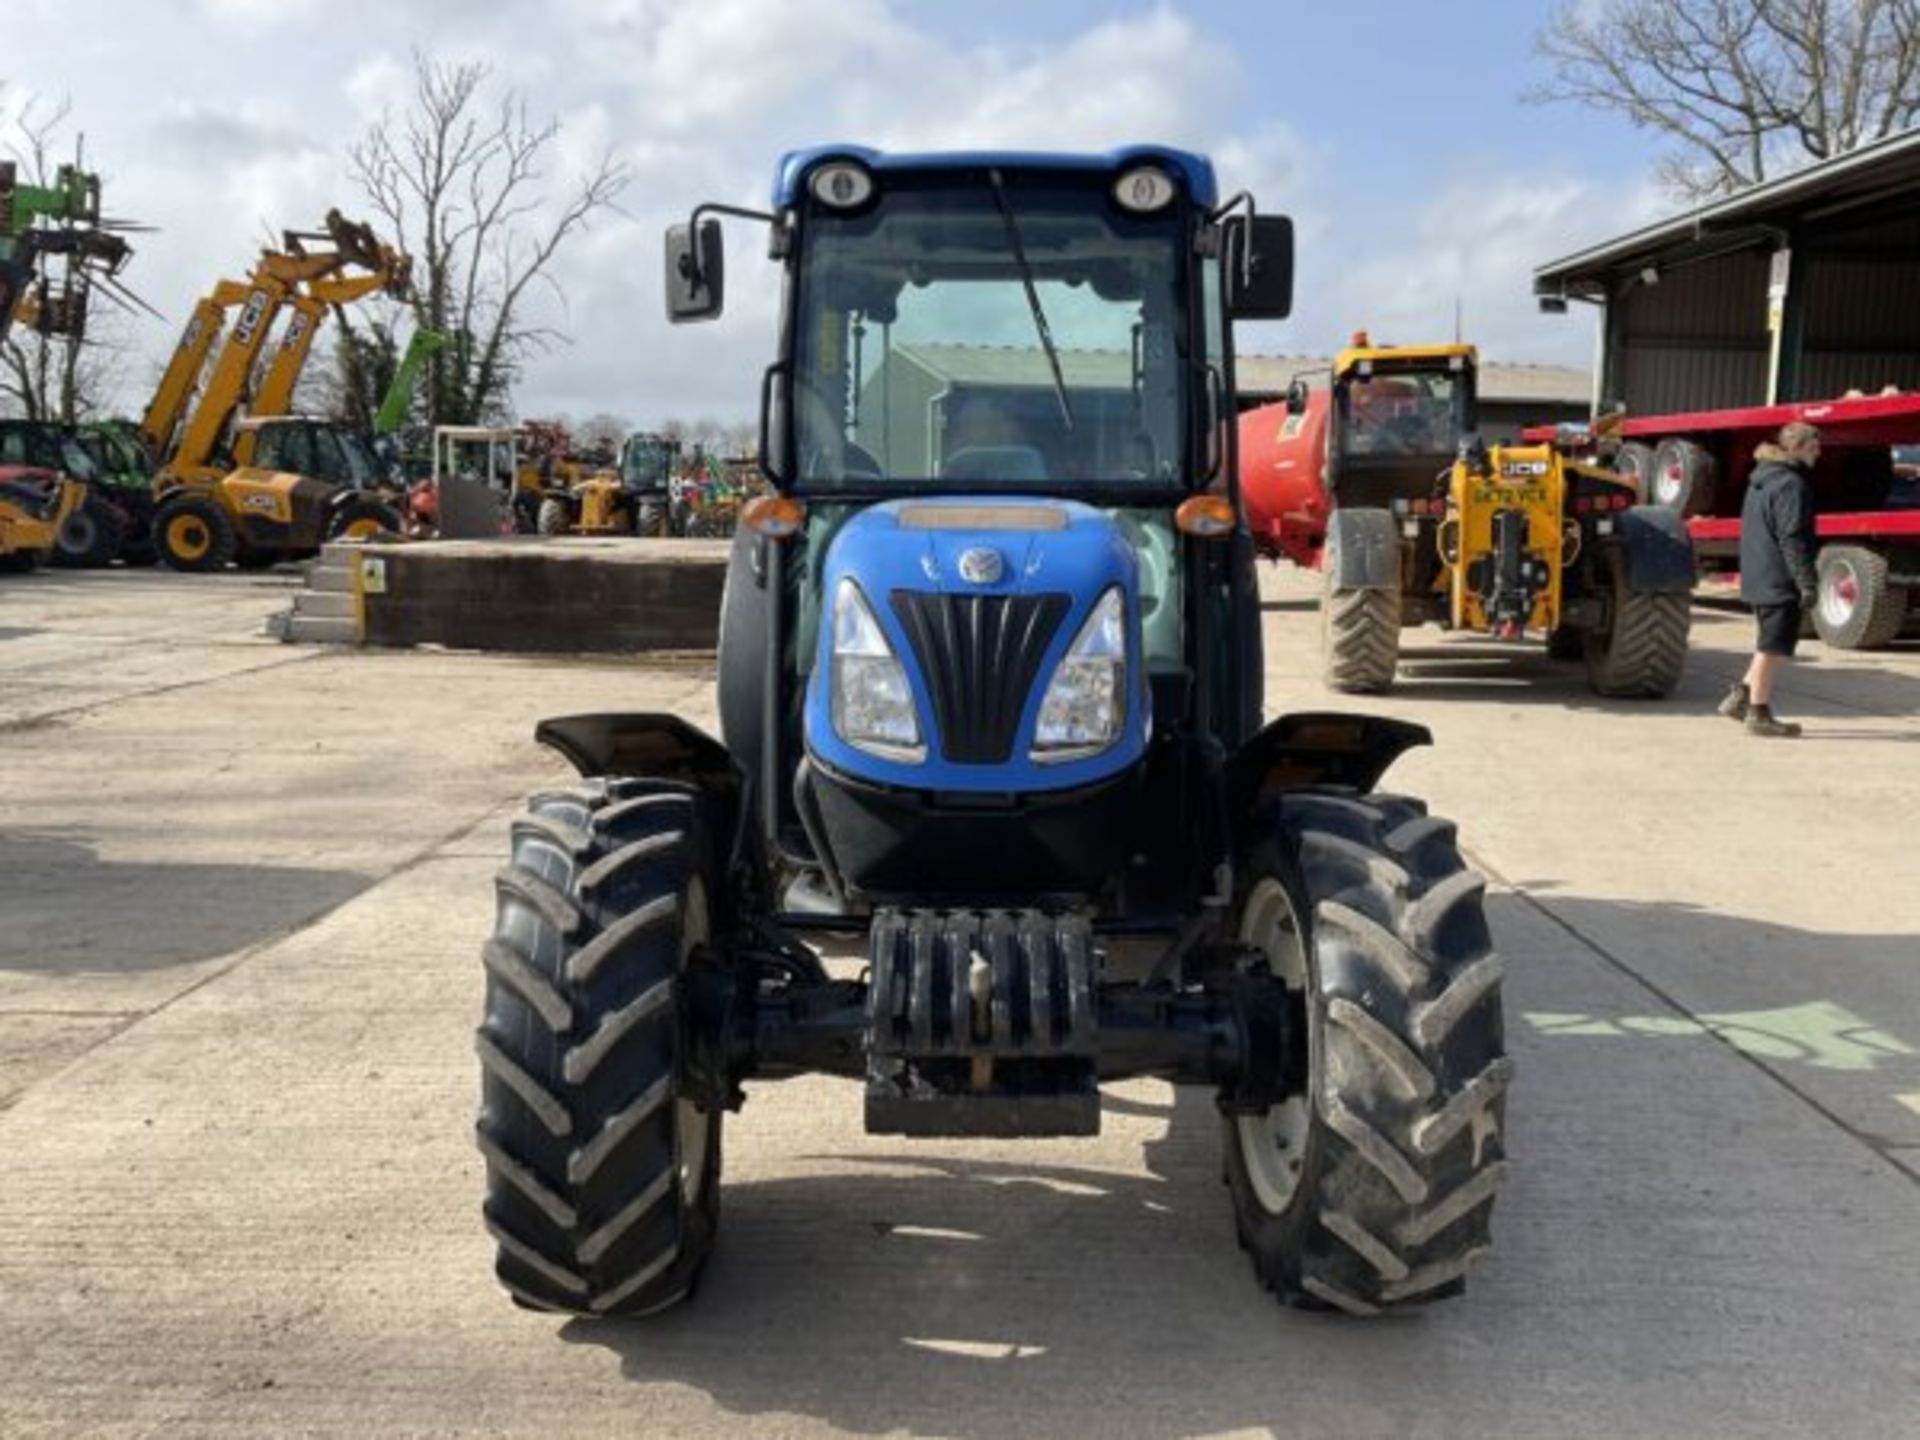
x=980, y=567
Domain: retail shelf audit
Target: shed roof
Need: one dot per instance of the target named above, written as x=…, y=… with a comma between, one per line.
x=1876, y=172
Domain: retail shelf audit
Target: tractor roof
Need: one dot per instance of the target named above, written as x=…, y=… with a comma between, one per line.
x=1195, y=170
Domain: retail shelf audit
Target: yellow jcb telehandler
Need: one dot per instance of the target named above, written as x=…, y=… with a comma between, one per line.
x=1511, y=542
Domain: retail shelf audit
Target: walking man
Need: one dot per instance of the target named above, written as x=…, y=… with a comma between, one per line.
x=1776, y=571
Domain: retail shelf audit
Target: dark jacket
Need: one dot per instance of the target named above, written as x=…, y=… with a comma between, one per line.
x=1776, y=532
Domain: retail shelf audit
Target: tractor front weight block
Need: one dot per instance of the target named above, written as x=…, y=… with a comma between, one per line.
x=989, y=1023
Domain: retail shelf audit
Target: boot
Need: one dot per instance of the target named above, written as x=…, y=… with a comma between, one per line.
x=1760, y=721
x=1734, y=707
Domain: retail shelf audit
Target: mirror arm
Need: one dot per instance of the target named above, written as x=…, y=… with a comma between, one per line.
x=1242, y=198
x=713, y=207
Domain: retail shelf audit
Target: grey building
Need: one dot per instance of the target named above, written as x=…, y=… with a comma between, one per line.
x=924, y=402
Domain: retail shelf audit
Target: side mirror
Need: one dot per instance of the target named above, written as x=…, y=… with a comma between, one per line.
x=1297, y=398
x=1259, y=266
x=695, y=272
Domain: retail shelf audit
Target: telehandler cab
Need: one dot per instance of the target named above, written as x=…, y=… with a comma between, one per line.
x=990, y=699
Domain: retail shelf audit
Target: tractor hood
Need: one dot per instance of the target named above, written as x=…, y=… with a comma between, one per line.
x=979, y=600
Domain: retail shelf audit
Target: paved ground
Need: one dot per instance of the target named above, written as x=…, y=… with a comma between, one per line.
x=243, y=889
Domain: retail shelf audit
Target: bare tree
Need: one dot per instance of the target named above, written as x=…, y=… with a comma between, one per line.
x=62, y=377
x=1743, y=89
x=459, y=179
x=601, y=432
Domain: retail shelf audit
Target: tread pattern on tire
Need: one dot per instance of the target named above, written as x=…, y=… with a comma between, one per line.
x=1410, y=1087
x=104, y=530
x=1362, y=636
x=579, y=1051
x=1880, y=608
x=1645, y=654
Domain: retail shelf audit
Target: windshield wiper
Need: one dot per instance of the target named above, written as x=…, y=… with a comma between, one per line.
x=1033, y=297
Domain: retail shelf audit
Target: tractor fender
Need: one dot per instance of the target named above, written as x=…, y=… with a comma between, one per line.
x=1318, y=748
x=1363, y=550
x=649, y=746
x=655, y=746
x=1658, y=550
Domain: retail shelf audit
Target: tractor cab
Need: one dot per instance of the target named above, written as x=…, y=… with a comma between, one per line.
x=1400, y=413
x=1002, y=380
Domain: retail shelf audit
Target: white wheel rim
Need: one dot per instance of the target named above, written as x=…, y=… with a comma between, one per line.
x=1666, y=485
x=692, y=1126
x=1839, y=593
x=1274, y=1145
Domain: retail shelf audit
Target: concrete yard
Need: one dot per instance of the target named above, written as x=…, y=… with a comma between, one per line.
x=244, y=888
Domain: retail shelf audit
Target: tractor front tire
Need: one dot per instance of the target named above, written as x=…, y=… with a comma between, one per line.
x=1360, y=632
x=553, y=518
x=192, y=533
x=603, y=1182
x=1372, y=1188
x=91, y=536
x=1644, y=652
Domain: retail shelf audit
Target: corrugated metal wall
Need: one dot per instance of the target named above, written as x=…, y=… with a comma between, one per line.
x=1860, y=293
x=1697, y=340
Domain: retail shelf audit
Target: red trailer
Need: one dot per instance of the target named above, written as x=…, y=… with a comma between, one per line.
x=1867, y=501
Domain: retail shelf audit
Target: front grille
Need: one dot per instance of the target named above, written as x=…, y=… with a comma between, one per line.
x=979, y=654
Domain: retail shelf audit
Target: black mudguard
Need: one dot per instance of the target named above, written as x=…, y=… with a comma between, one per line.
x=647, y=746
x=662, y=747
x=1658, y=549
x=1363, y=550
x=1318, y=748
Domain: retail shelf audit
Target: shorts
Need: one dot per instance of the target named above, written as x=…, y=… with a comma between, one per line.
x=1779, y=628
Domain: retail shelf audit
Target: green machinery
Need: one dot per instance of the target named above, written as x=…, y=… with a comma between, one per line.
x=58, y=219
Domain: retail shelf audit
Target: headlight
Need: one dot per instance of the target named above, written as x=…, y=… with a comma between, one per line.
x=1085, y=705
x=872, y=702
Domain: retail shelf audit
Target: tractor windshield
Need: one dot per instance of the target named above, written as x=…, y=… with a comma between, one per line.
x=954, y=333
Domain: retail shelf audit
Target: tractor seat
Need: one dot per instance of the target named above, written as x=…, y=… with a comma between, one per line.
x=995, y=462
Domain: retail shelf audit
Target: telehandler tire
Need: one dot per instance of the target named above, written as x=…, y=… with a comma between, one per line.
x=603, y=1184
x=1645, y=652
x=91, y=537
x=192, y=533
x=1372, y=1188
x=553, y=518
x=1360, y=635
x=364, y=518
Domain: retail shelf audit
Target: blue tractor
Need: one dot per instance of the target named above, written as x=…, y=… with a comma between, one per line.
x=991, y=719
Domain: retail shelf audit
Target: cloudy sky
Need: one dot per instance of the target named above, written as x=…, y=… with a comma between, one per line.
x=1400, y=143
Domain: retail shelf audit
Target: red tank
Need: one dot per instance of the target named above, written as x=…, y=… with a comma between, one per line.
x=1283, y=459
